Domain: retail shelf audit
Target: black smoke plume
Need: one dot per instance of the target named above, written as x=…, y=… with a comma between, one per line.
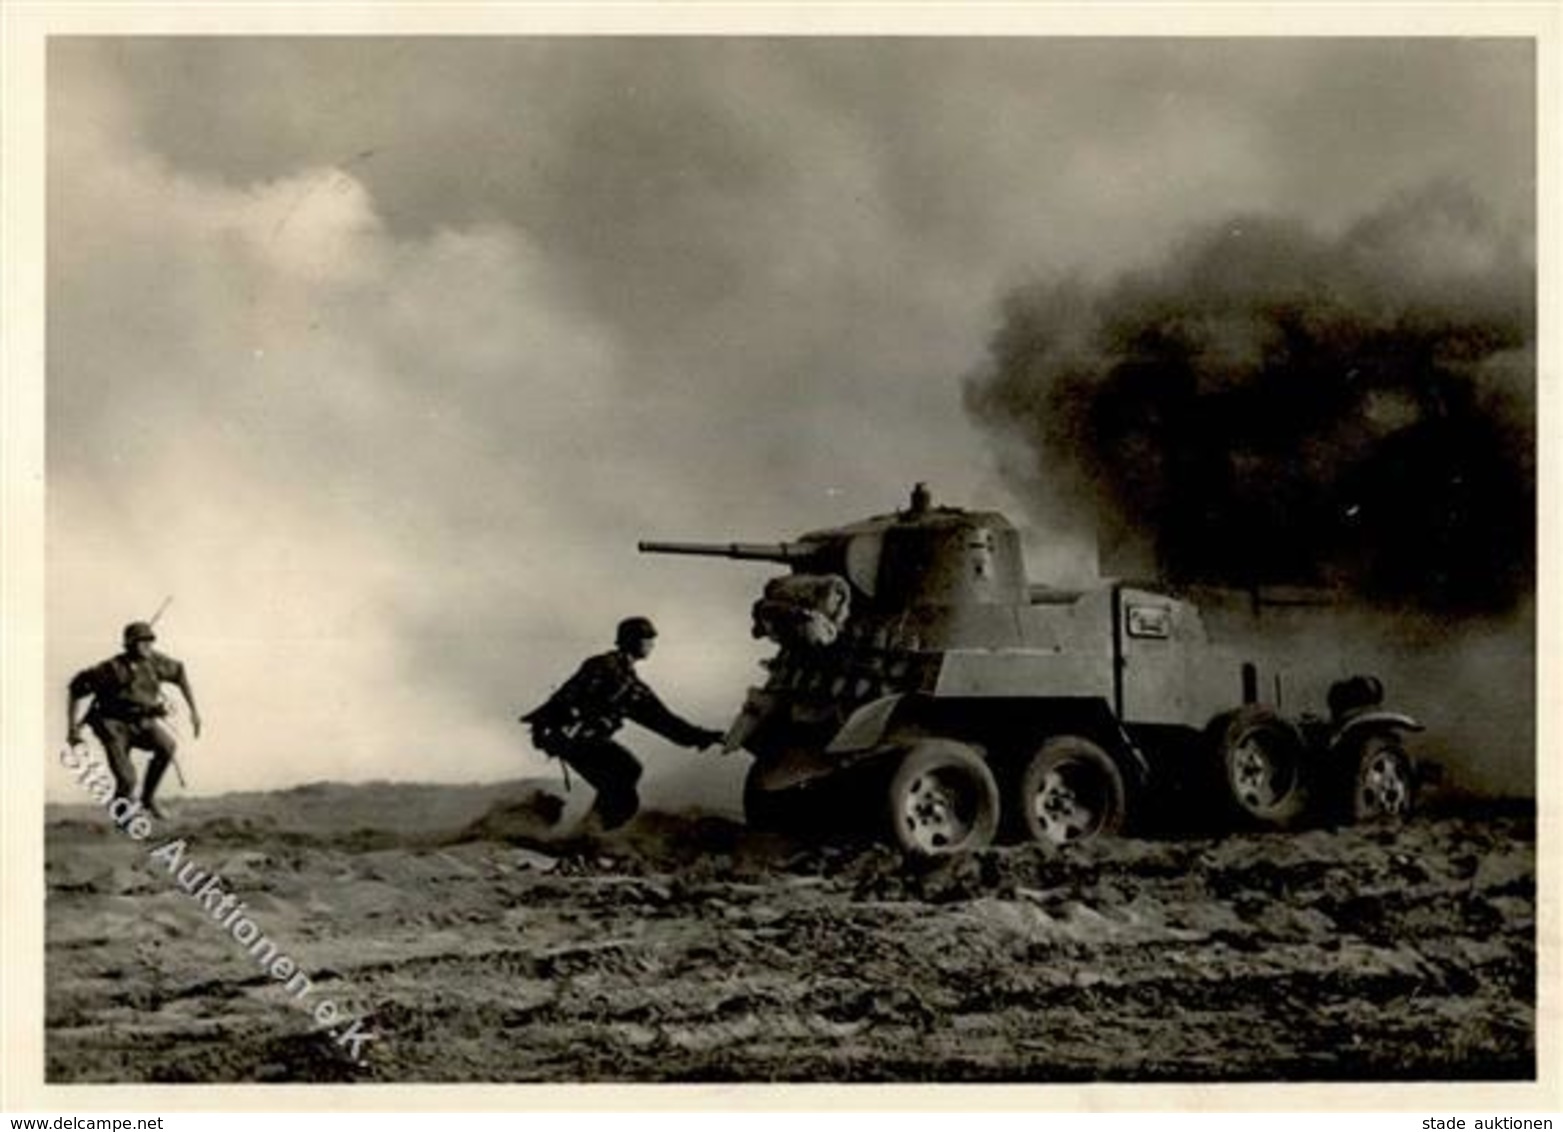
x=1272, y=405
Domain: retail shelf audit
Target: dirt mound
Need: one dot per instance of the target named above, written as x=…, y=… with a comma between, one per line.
x=653, y=841
x=533, y=817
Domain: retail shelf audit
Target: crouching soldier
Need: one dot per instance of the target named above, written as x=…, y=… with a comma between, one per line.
x=577, y=723
x=126, y=710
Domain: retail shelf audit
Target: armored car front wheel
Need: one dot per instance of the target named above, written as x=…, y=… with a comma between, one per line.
x=1071, y=790
x=786, y=810
x=942, y=799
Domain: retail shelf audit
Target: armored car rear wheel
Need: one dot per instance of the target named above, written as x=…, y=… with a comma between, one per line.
x=1382, y=781
x=1265, y=767
x=942, y=799
x=1071, y=790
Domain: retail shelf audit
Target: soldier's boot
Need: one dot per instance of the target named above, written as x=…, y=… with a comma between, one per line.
x=616, y=806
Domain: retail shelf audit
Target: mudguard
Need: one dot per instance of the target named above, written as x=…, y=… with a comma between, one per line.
x=855, y=742
x=801, y=766
x=867, y=726
x=1371, y=721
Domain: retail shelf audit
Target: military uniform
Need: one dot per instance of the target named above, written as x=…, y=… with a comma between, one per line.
x=578, y=722
x=127, y=705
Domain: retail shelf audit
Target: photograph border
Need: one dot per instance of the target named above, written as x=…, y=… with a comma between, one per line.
x=24, y=698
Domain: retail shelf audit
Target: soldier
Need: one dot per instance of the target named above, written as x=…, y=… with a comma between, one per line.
x=577, y=723
x=127, y=703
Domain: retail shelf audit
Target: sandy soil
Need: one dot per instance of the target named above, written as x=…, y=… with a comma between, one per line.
x=687, y=949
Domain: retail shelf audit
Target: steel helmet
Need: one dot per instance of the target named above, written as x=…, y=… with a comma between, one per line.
x=634, y=629
x=138, y=631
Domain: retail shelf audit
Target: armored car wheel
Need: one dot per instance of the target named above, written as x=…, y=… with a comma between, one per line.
x=1264, y=763
x=1382, y=780
x=942, y=799
x=1071, y=790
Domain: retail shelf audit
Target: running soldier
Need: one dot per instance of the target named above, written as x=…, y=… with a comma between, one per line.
x=127, y=709
x=577, y=723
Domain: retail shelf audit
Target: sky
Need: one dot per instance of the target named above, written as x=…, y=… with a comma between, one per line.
x=378, y=355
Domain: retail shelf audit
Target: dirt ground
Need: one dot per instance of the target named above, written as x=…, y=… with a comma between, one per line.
x=688, y=949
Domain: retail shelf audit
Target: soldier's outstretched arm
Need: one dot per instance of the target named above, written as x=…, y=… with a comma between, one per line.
x=73, y=717
x=652, y=714
x=182, y=682
x=80, y=691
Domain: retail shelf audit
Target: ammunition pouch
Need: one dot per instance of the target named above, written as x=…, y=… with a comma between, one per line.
x=580, y=712
x=127, y=712
x=554, y=733
x=549, y=742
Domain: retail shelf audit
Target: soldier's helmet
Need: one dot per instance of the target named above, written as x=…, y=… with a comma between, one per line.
x=634, y=629
x=138, y=631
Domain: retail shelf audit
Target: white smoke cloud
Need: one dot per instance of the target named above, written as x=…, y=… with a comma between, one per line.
x=252, y=398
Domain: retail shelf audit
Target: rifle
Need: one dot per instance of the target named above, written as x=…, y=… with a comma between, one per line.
x=167, y=601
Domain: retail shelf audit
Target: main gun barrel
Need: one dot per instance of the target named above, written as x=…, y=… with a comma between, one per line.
x=752, y=551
